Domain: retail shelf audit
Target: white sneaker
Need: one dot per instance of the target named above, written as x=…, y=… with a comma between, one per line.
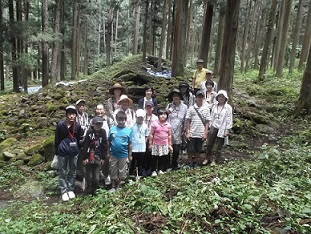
x=71, y=194
x=65, y=197
x=160, y=172
x=154, y=174
x=107, y=180
x=112, y=190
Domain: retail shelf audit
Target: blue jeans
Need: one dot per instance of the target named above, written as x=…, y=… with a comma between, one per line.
x=67, y=173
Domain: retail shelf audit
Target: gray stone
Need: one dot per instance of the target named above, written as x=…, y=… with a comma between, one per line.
x=7, y=155
x=263, y=128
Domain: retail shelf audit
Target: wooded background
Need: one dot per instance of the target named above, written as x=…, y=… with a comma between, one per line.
x=53, y=40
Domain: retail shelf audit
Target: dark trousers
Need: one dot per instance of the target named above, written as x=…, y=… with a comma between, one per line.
x=147, y=158
x=105, y=168
x=137, y=163
x=80, y=167
x=159, y=163
x=214, y=142
x=176, y=152
x=92, y=176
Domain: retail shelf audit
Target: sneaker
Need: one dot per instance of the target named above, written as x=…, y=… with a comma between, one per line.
x=160, y=172
x=205, y=162
x=112, y=190
x=71, y=195
x=168, y=170
x=107, y=180
x=65, y=197
x=119, y=188
x=154, y=174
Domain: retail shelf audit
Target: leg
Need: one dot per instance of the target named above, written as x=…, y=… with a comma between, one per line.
x=133, y=164
x=140, y=160
x=210, y=143
x=122, y=170
x=96, y=172
x=62, y=171
x=88, y=169
x=72, y=172
x=113, y=171
x=176, y=151
x=191, y=150
x=219, y=145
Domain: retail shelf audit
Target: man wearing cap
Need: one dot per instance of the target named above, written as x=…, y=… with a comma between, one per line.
x=197, y=122
x=199, y=76
x=67, y=137
x=177, y=112
x=125, y=102
x=94, y=153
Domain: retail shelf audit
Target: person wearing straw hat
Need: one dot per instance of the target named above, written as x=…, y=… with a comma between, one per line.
x=124, y=105
x=112, y=103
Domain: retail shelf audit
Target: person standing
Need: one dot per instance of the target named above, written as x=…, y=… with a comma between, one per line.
x=221, y=123
x=125, y=102
x=68, y=134
x=120, y=145
x=197, y=122
x=160, y=143
x=198, y=76
x=94, y=153
x=209, y=77
x=188, y=97
x=210, y=94
x=176, y=117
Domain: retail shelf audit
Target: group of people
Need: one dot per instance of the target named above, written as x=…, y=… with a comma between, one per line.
x=145, y=142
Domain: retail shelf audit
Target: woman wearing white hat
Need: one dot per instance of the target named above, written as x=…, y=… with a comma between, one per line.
x=221, y=123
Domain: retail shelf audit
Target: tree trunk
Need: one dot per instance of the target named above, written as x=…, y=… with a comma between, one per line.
x=306, y=41
x=63, y=55
x=108, y=36
x=260, y=32
x=169, y=36
x=283, y=45
x=229, y=45
x=45, y=46
x=55, y=50
x=206, y=32
x=277, y=45
x=1, y=48
x=304, y=101
x=179, y=37
x=13, y=43
x=74, y=46
x=116, y=32
x=220, y=37
x=245, y=34
x=264, y=56
x=161, y=47
x=145, y=31
x=295, y=35
x=86, y=54
x=136, y=28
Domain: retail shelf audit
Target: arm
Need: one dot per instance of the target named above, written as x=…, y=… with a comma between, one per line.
x=170, y=140
x=130, y=152
x=141, y=103
x=104, y=145
x=85, y=149
x=155, y=103
x=151, y=137
x=188, y=129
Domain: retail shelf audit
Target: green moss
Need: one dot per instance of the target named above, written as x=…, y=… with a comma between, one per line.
x=7, y=144
x=34, y=149
x=36, y=159
x=48, y=148
x=51, y=107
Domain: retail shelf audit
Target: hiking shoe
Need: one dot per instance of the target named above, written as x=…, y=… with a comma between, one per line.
x=154, y=174
x=71, y=195
x=160, y=172
x=65, y=197
x=205, y=162
x=107, y=180
x=112, y=190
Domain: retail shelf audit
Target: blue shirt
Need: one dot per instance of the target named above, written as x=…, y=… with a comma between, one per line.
x=140, y=132
x=119, y=139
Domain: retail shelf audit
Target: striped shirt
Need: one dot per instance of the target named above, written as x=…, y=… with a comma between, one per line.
x=196, y=125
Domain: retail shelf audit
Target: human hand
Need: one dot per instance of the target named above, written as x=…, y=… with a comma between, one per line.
x=85, y=162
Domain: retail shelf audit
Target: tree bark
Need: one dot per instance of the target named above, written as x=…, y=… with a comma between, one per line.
x=108, y=36
x=295, y=35
x=63, y=54
x=283, y=45
x=74, y=46
x=245, y=34
x=264, y=56
x=45, y=46
x=145, y=31
x=56, y=44
x=161, y=47
x=136, y=28
x=304, y=101
x=206, y=32
x=229, y=45
x=1, y=48
x=306, y=41
x=277, y=45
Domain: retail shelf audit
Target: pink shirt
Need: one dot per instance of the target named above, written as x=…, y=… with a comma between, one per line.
x=160, y=132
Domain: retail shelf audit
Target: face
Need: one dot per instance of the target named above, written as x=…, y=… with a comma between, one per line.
x=221, y=99
x=199, y=100
x=183, y=89
x=200, y=66
x=97, y=126
x=121, y=122
x=80, y=108
x=124, y=104
x=148, y=93
x=100, y=111
x=162, y=117
x=117, y=92
x=71, y=116
x=176, y=98
x=209, y=76
x=139, y=120
x=149, y=110
x=209, y=88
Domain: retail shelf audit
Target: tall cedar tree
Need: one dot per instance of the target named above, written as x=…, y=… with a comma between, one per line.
x=45, y=46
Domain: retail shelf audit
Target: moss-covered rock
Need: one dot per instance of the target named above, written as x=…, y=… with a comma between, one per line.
x=48, y=148
x=7, y=144
x=8, y=156
x=36, y=159
x=34, y=149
